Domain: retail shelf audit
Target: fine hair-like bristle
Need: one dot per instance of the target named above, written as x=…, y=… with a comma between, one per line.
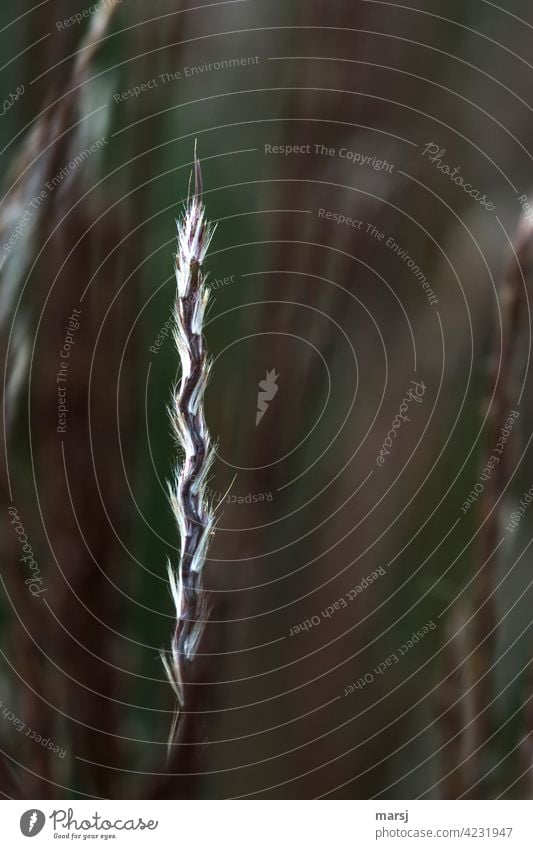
x=194, y=516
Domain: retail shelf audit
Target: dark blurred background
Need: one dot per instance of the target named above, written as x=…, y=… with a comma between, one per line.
x=428, y=281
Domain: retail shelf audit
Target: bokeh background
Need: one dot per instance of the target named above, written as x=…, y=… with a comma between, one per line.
x=99, y=121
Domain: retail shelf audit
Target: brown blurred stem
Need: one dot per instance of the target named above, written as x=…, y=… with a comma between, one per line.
x=484, y=621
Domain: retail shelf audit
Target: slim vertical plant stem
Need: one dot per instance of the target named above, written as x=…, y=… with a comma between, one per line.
x=526, y=746
x=449, y=704
x=193, y=514
x=467, y=776
x=485, y=620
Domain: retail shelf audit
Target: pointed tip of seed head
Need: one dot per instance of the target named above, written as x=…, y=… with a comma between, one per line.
x=194, y=233
x=198, y=182
x=196, y=186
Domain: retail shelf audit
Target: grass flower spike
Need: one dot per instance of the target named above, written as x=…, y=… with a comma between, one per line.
x=190, y=506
